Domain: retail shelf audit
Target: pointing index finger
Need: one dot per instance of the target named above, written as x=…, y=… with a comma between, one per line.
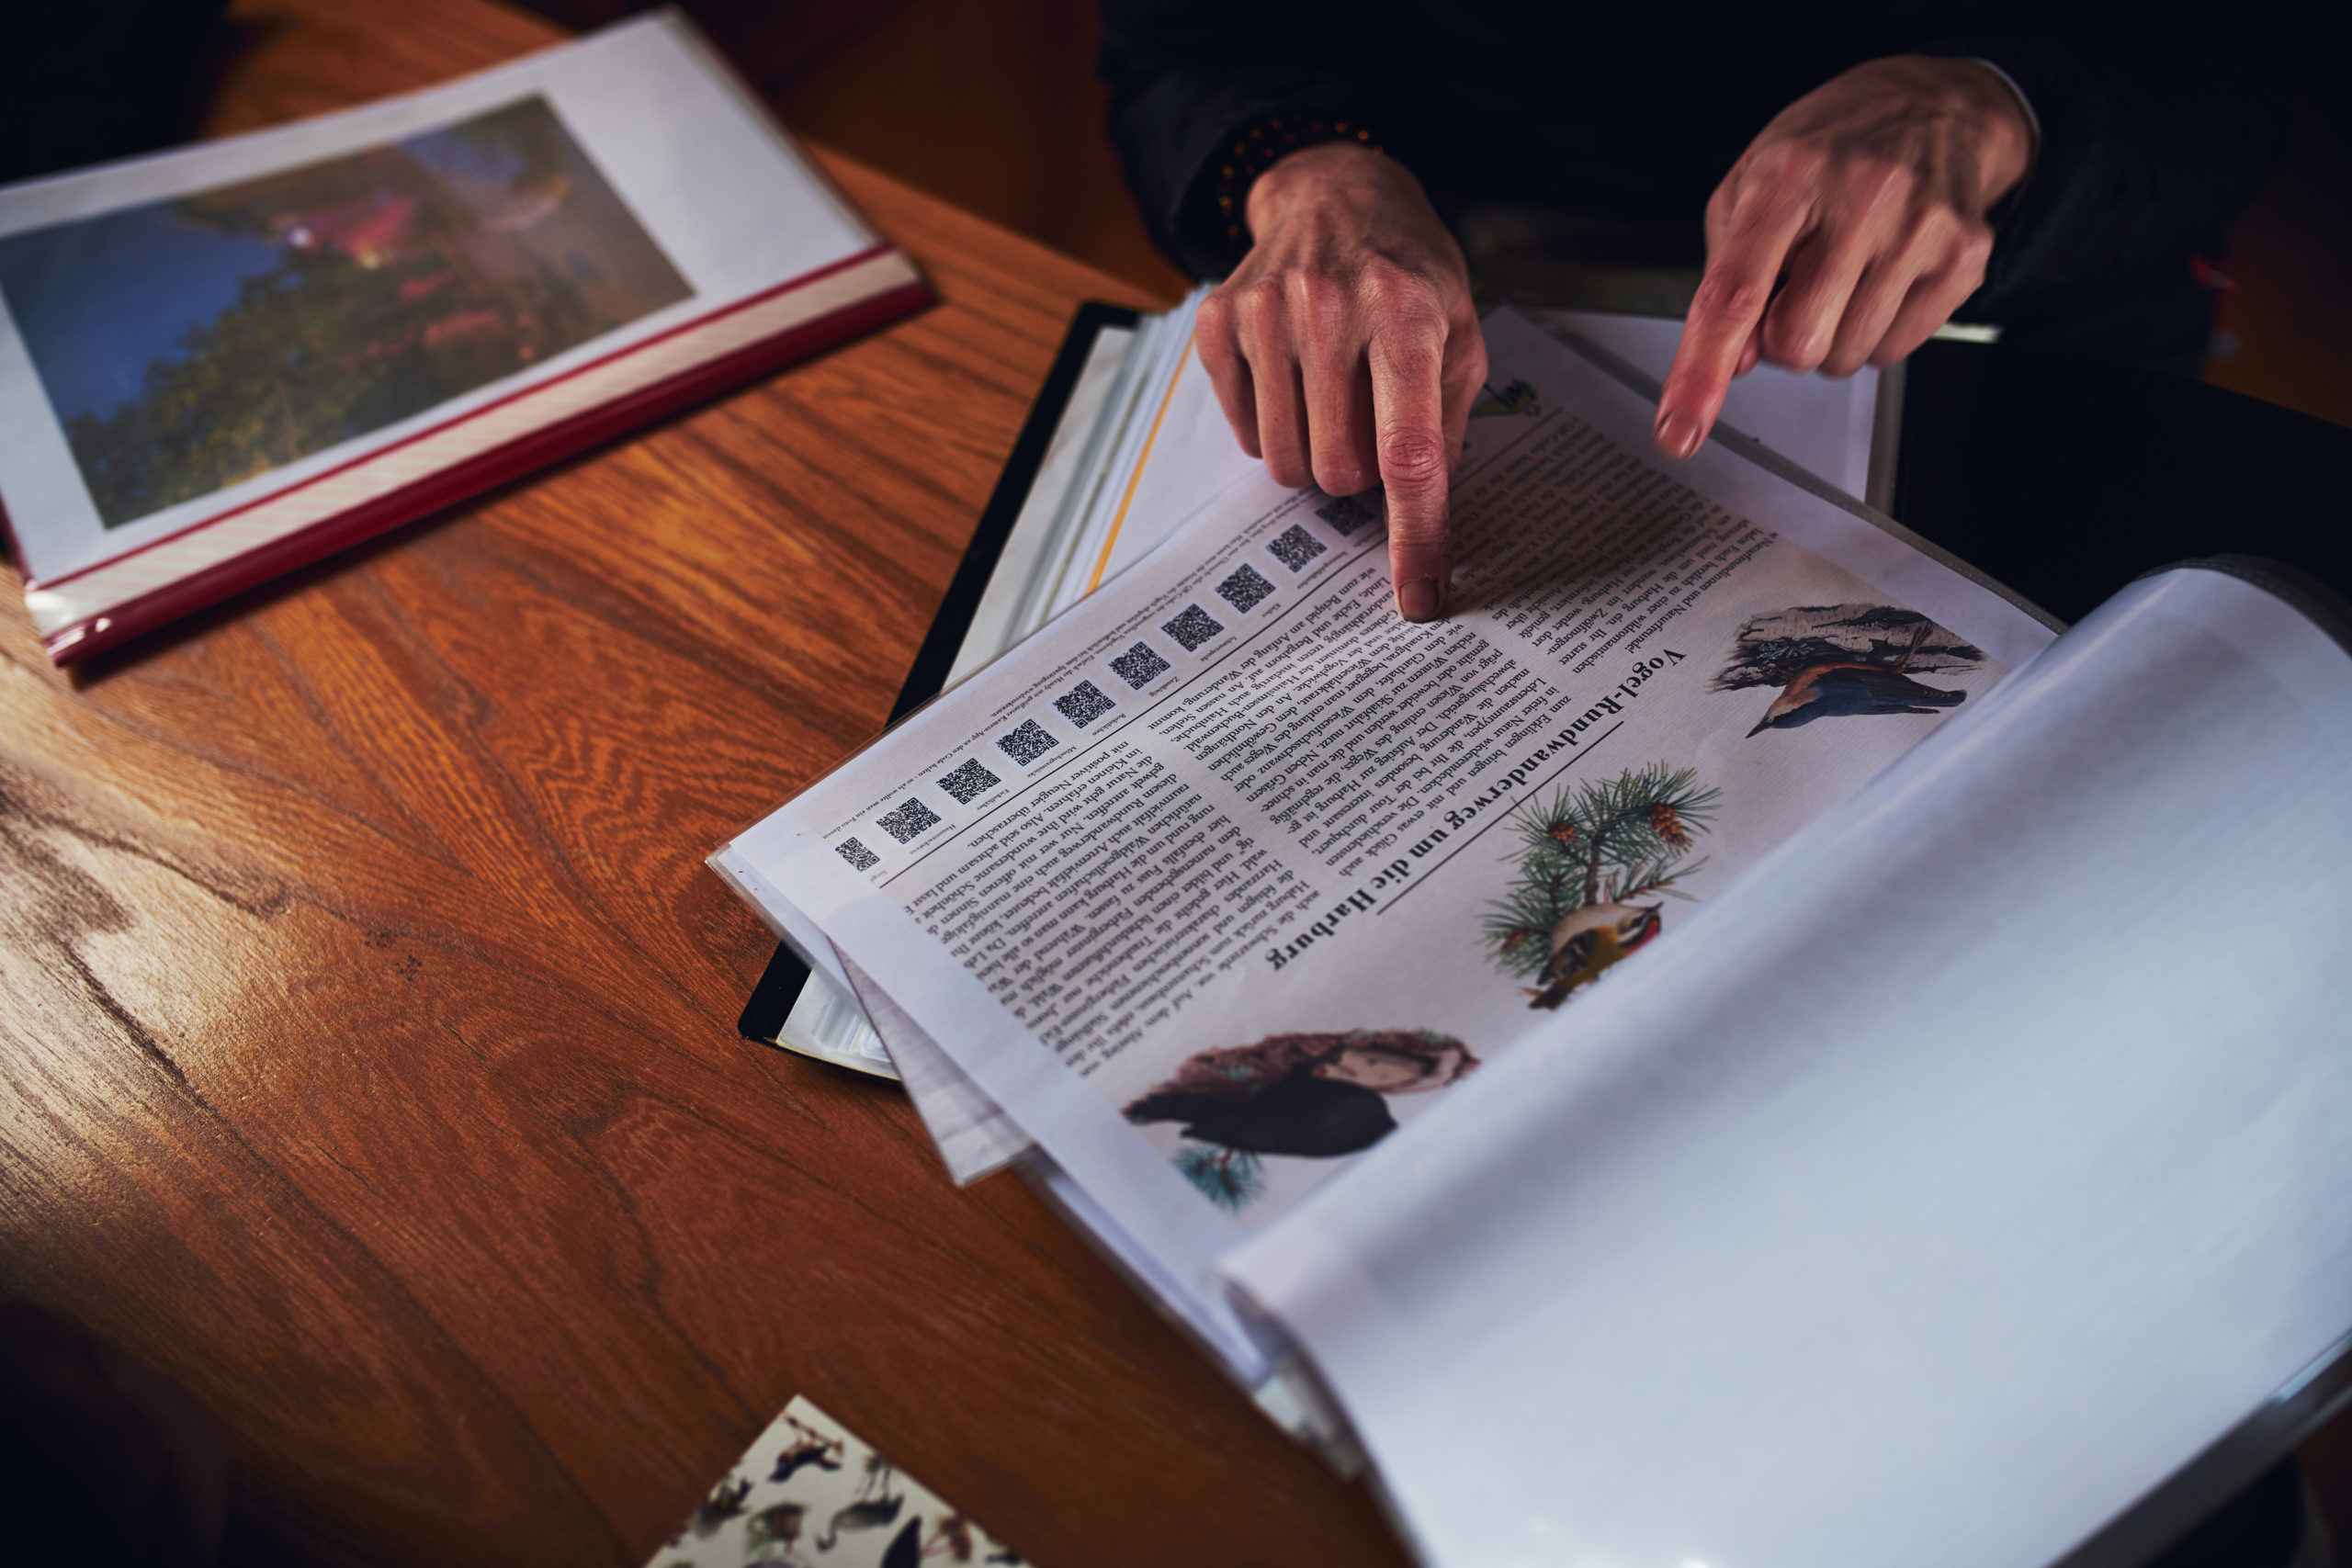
x=1724, y=314
x=1409, y=418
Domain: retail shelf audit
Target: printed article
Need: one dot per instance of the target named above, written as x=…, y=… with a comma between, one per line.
x=1268, y=869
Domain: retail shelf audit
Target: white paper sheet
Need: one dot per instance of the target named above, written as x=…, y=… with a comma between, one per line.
x=1969, y=1166
x=1820, y=424
x=1823, y=425
x=1021, y=589
x=974, y=1135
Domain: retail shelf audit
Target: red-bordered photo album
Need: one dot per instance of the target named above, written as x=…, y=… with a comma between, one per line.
x=221, y=362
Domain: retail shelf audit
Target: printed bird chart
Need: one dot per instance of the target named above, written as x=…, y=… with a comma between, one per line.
x=810, y=1493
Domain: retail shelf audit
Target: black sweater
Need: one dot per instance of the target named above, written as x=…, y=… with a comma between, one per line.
x=2153, y=129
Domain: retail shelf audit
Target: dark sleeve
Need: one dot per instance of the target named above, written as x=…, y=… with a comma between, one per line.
x=1187, y=75
x=2151, y=140
x=85, y=81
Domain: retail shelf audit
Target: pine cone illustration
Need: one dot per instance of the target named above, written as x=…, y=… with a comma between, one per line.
x=1563, y=832
x=1667, y=823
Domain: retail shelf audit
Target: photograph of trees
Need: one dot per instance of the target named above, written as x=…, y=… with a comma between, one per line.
x=190, y=344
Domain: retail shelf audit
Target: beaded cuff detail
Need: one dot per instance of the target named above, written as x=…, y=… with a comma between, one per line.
x=1254, y=148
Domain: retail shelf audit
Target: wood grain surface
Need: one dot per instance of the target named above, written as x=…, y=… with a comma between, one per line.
x=366, y=1007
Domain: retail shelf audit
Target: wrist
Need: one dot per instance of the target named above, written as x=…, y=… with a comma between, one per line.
x=2005, y=132
x=1315, y=177
x=1257, y=151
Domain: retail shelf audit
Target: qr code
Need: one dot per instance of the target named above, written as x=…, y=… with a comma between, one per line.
x=1028, y=743
x=908, y=821
x=969, y=782
x=1083, y=704
x=1346, y=516
x=859, y=858
x=1244, y=588
x=1193, y=627
x=1140, y=665
x=1295, y=547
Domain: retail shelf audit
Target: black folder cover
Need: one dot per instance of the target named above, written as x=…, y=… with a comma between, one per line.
x=772, y=999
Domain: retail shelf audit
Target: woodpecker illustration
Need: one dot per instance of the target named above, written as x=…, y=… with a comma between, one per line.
x=1837, y=660
x=1587, y=941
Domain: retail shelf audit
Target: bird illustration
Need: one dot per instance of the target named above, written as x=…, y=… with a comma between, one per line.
x=1844, y=689
x=870, y=1514
x=777, y=1526
x=1588, y=940
x=876, y=1507
x=953, y=1536
x=905, y=1550
x=1837, y=660
x=823, y=1453
x=725, y=1503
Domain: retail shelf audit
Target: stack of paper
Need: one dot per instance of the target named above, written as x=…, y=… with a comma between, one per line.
x=1732, y=1047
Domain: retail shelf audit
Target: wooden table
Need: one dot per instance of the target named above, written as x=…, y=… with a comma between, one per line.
x=366, y=1007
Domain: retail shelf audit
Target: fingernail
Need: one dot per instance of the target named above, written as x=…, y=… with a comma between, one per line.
x=1678, y=433
x=1421, y=599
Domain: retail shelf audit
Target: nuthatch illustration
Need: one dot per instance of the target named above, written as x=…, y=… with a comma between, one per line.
x=1839, y=688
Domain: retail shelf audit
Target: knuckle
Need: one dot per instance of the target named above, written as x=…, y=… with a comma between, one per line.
x=1717, y=222
x=1938, y=231
x=1421, y=530
x=1254, y=303
x=1474, y=360
x=1791, y=344
x=1216, y=320
x=1412, y=456
x=1731, y=294
x=1882, y=183
x=1781, y=165
x=1389, y=284
x=1219, y=346
x=1313, y=290
x=1340, y=473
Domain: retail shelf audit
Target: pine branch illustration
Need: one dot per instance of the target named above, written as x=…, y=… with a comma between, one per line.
x=1231, y=1178
x=1608, y=840
x=1517, y=926
x=1659, y=878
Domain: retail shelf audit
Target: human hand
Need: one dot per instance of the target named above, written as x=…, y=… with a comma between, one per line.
x=1345, y=349
x=1864, y=201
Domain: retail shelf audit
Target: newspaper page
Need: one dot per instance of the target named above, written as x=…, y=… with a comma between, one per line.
x=1229, y=872
x=1139, y=492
